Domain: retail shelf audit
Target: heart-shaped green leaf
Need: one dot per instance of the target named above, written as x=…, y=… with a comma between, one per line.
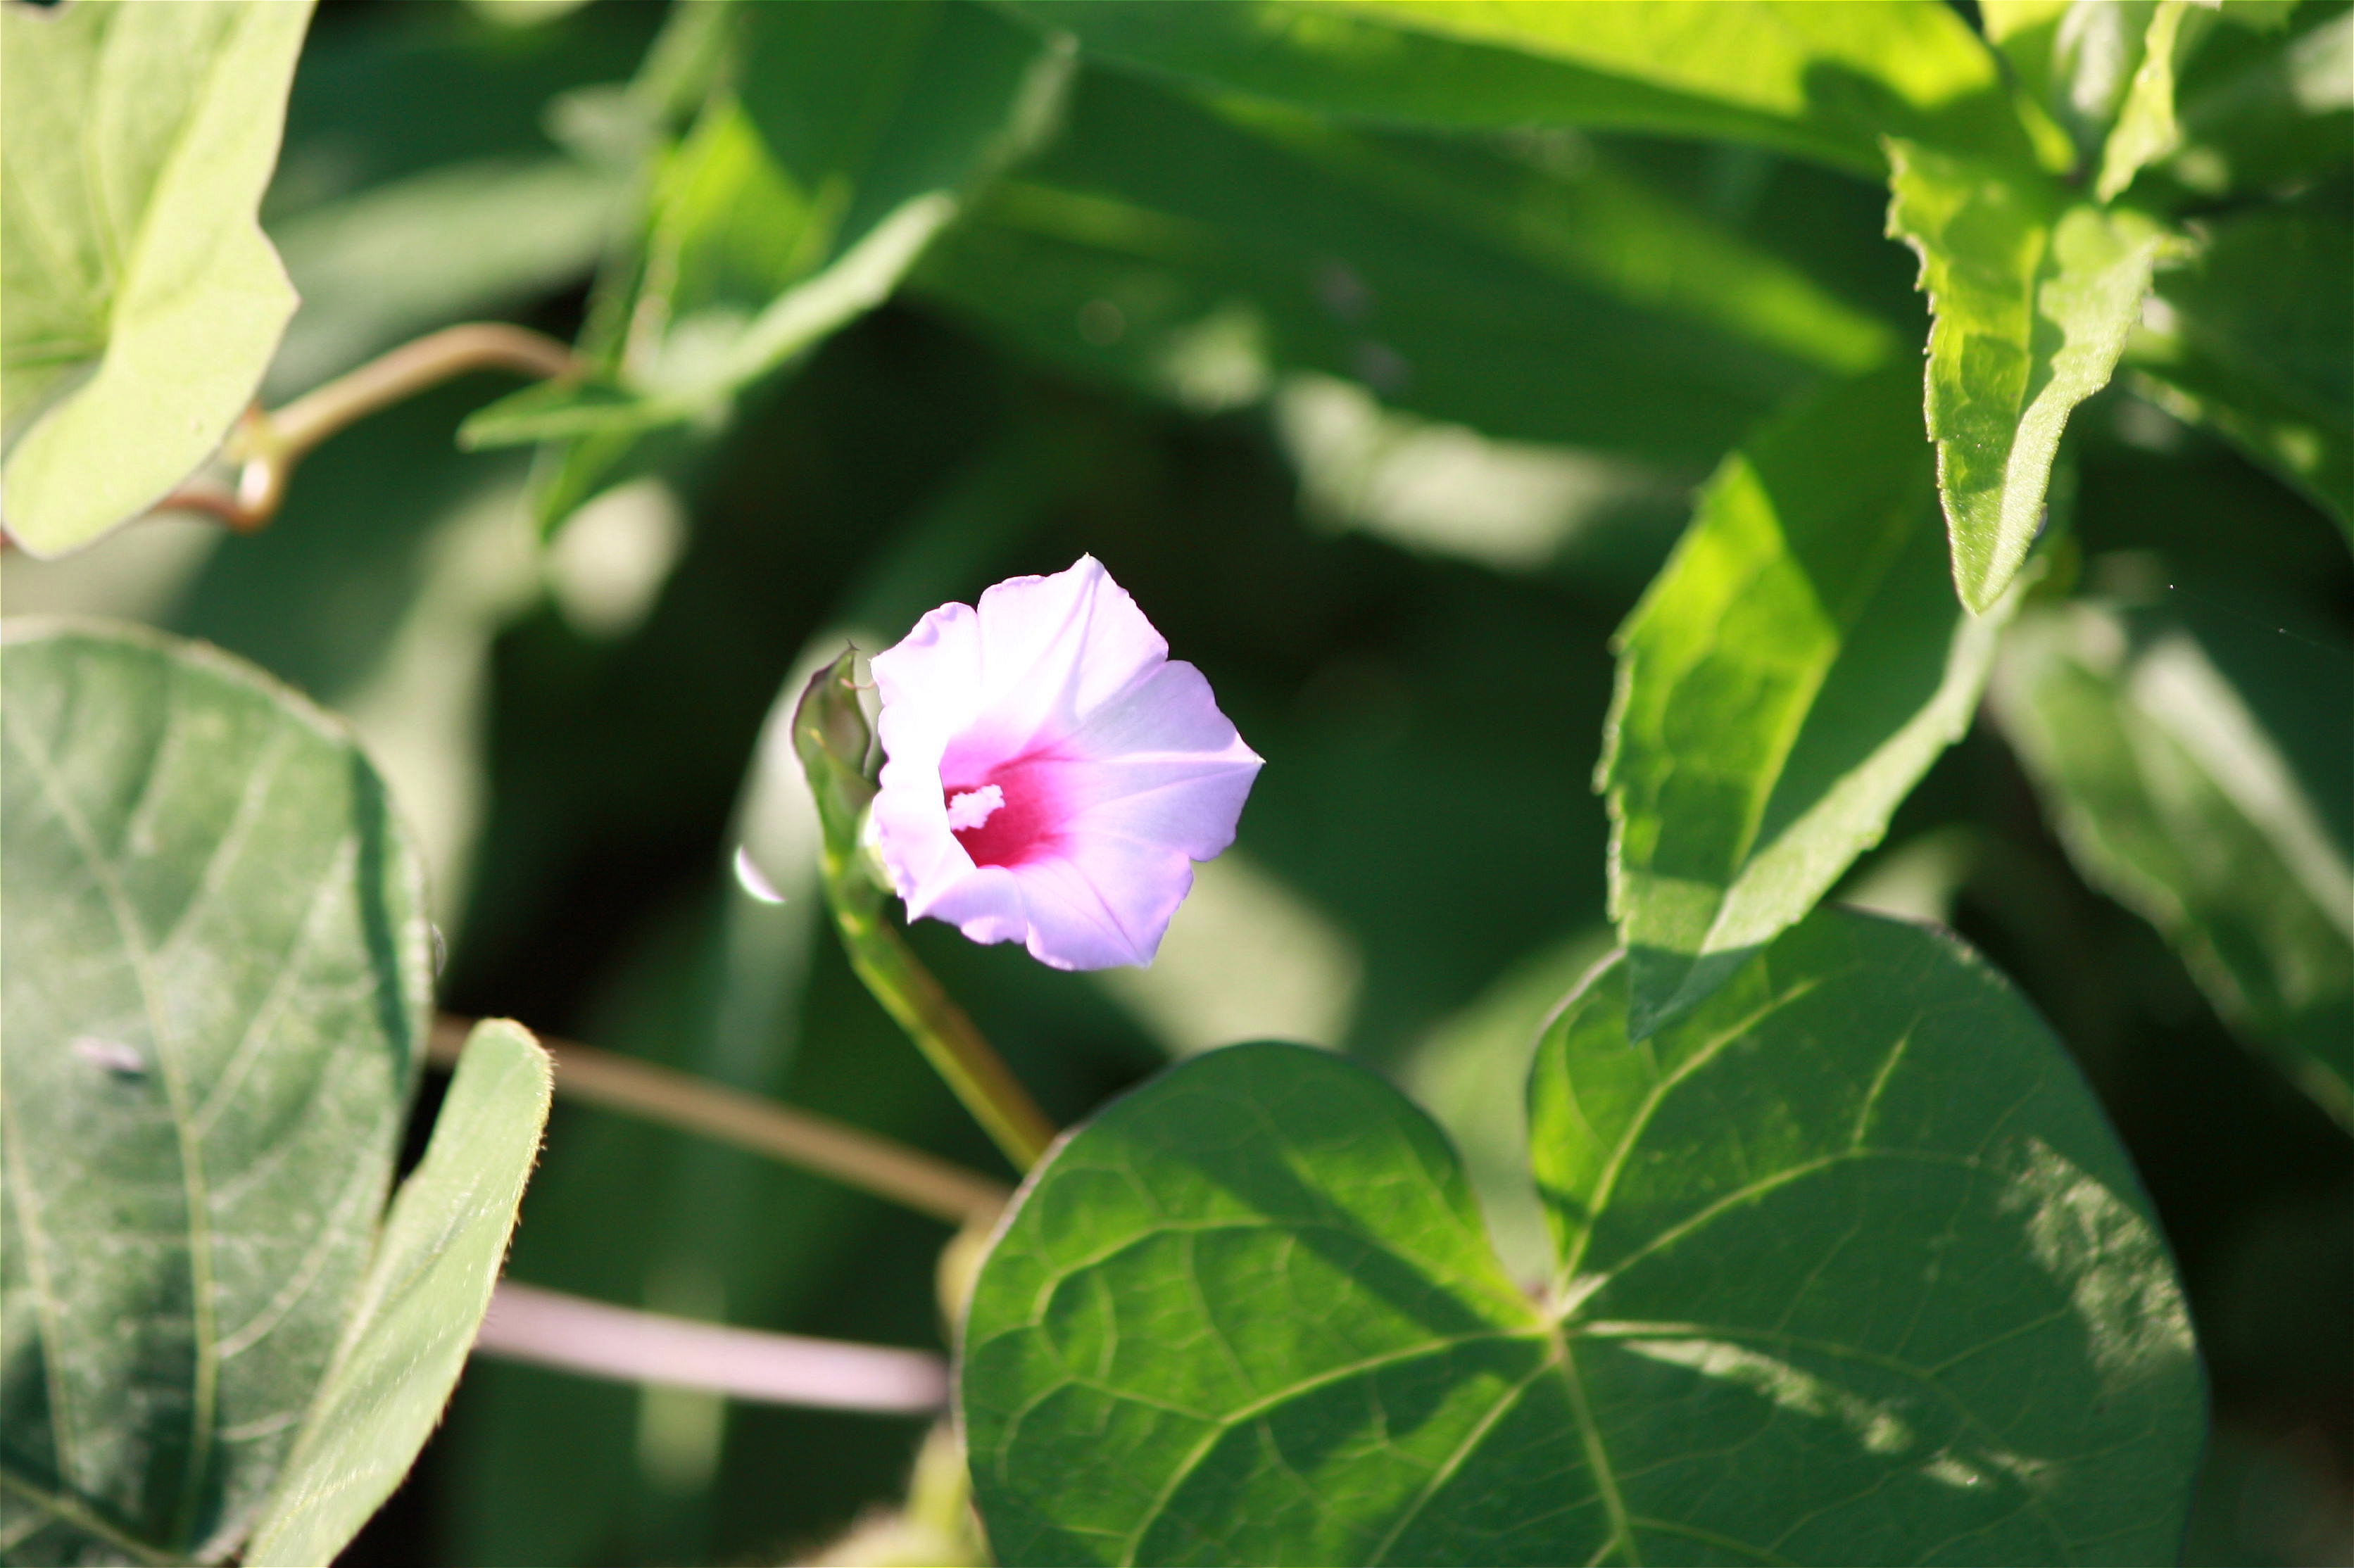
x=2033, y=296
x=142, y=302
x=1850, y=1271
x=1790, y=675
x=216, y=984
x=2212, y=795
x=424, y=1298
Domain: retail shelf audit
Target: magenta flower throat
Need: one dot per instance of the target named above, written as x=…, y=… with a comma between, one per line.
x=1052, y=775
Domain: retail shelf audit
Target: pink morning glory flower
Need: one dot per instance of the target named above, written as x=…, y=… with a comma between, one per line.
x=1052, y=775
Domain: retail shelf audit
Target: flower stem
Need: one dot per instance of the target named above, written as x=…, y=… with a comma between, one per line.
x=948, y=1040
x=855, y=1158
x=841, y=756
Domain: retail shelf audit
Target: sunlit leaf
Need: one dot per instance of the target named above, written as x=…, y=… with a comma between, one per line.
x=2033, y=296
x=142, y=302
x=1850, y=1271
x=425, y=1290
x=2147, y=129
x=1792, y=673
x=2212, y=795
x=1824, y=81
x=2256, y=338
x=216, y=984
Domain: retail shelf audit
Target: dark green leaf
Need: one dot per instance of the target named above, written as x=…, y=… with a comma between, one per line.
x=216, y=988
x=2256, y=339
x=1826, y=82
x=2033, y=297
x=1850, y=1272
x=427, y=1288
x=1791, y=673
x=1543, y=293
x=2211, y=796
x=2262, y=112
x=142, y=302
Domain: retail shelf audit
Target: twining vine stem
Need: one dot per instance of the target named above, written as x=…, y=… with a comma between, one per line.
x=850, y=1155
x=267, y=444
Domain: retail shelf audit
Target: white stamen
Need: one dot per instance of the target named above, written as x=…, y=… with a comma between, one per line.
x=974, y=807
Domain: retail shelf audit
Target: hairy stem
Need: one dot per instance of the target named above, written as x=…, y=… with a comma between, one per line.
x=854, y=1158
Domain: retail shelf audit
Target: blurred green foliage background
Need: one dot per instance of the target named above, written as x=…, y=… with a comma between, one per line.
x=1387, y=432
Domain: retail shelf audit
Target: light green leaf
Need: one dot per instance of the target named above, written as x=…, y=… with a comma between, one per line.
x=142, y=302
x=426, y=1291
x=2256, y=338
x=2145, y=130
x=1822, y=81
x=1850, y=1271
x=1792, y=672
x=2212, y=795
x=2033, y=298
x=795, y=206
x=216, y=984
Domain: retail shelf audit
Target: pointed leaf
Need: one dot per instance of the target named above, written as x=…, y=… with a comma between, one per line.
x=2033, y=298
x=1857, y=1276
x=793, y=208
x=142, y=302
x=215, y=981
x=1824, y=82
x=2213, y=797
x=427, y=1289
x=1792, y=672
x=2147, y=130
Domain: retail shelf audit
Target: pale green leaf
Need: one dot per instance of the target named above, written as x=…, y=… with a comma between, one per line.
x=141, y=304
x=2212, y=795
x=2256, y=338
x=1850, y=1271
x=2033, y=296
x=1822, y=81
x=216, y=984
x=427, y=1289
x=2147, y=130
x=1793, y=670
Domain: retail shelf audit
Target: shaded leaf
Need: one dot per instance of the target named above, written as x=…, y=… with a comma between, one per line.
x=2033, y=298
x=1825, y=82
x=2211, y=796
x=2264, y=112
x=2255, y=339
x=143, y=304
x=1851, y=1271
x=426, y=1291
x=1544, y=293
x=1791, y=673
x=216, y=986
